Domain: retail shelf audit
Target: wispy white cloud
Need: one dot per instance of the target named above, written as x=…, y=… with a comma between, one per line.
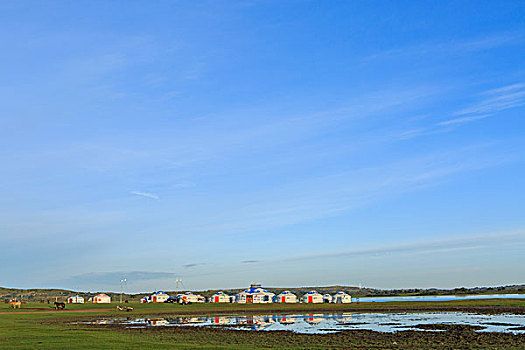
x=475, y=242
x=493, y=101
x=334, y=194
x=509, y=97
x=453, y=46
x=463, y=120
x=145, y=194
x=183, y=185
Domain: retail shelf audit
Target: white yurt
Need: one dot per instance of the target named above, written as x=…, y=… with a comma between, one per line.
x=220, y=297
x=159, y=297
x=312, y=297
x=256, y=294
x=286, y=297
x=327, y=298
x=341, y=298
x=101, y=299
x=75, y=299
x=189, y=297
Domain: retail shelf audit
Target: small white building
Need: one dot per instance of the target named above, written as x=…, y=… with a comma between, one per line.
x=256, y=294
x=101, y=299
x=220, y=297
x=286, y=297
x=189, y=297
x=159, y=297
x=312, y=297
x=327, y=298
x=75, y=299
x=341, y=298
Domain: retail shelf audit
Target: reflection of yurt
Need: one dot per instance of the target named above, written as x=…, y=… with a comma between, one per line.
x=159, y=297
x=157, y=322
x=327, y=298
x=344, y=317
x=286, y=297
x=313, y=319
x=101, y=299
x=261, y=322
x=255, y=294
x=75, y=299
x=341, y=298
x=286, y=319
x=220, y=320
x=312, y=297
x=220, y=297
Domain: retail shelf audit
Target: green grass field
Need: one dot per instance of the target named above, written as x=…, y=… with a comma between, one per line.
x=38, y=326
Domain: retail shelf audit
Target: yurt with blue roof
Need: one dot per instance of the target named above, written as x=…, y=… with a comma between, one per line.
x=159, y=297
x=220, y=297
x=341, y=298
x=256, y=294
x=312, y=297
x=286, y=297
x=327, y=298
x=189, y=297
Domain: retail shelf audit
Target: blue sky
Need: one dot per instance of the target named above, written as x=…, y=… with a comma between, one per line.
x=292, y=143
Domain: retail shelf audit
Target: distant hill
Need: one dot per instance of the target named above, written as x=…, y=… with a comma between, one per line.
x=43, y=295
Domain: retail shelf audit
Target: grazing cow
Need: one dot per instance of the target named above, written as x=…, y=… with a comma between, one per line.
x=60, y=305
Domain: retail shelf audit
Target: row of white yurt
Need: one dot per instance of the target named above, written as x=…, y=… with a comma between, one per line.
x=313, y=297
x=97, y=299
x=255, y=294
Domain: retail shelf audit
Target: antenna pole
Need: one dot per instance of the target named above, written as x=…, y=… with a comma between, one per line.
x=121, y=288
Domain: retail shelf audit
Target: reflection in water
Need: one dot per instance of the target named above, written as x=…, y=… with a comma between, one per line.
x=336, y=322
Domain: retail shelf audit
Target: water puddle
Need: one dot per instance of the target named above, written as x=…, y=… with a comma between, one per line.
x=320, y=323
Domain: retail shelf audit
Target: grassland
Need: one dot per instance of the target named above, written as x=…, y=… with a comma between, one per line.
x=38, y=326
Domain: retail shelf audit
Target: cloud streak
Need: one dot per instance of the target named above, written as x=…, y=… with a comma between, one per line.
x=430, y=247
x=145, y=194
x=452, y=47
x=463, y=120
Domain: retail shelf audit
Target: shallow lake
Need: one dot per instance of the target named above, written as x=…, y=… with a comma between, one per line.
x=336, y=322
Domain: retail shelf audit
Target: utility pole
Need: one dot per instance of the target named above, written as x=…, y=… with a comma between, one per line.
x=121, y=288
